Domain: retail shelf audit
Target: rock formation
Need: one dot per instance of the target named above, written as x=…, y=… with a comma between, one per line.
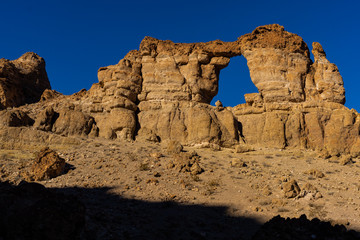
x=47, y=165
x=22, y=80
x=162, y=92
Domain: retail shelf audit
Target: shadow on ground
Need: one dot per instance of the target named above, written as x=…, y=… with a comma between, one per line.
x=30, y=211
x=114, y=217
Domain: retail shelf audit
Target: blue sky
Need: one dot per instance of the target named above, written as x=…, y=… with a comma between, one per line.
x=78, y=37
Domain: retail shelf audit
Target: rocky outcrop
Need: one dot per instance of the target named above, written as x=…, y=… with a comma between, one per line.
x=22, y=80
x=15, y=118
x=179, y=82
x=162, y=92
x=71, y=122
x=278, y=62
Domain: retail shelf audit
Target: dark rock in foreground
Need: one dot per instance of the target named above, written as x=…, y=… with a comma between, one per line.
x=302, y=229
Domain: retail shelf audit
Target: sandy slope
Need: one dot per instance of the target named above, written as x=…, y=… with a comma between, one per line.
x=128, y=186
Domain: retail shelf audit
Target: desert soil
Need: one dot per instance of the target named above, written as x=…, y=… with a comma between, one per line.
x=131, y=191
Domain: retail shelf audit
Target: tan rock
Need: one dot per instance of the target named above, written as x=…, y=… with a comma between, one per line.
x=120, y=123
x=315, y=173
x=71, y=122
x=162, y=92
x=188, y=123
x=187, y=162
x=15, y=118
x=49, y=94
x=291, y=189
x=45, y=119
x=22, y=80
x=325, y=78
x=47, y=165
x=174, y=147
x=278, y=62
x=235, y=162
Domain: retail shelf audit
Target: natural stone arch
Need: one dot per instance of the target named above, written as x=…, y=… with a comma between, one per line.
x=234, y=83
x=168, y=87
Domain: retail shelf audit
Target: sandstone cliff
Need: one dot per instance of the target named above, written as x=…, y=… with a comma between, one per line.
x=22, y=80
x=163, y=92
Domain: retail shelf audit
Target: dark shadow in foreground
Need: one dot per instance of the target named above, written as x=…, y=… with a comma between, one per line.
x=30, y=211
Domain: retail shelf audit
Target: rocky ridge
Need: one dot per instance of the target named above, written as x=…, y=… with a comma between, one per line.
x=163, y=91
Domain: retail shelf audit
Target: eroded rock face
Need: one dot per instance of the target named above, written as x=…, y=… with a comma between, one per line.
x=22, y=80
x=15, y=118
x=278, y=62
x=162, y=92
x=179, y=82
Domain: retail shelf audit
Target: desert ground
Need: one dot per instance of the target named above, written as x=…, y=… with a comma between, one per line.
x=135, y=190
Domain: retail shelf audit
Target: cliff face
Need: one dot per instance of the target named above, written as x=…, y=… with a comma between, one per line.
x=22, y=80
x=162, y=92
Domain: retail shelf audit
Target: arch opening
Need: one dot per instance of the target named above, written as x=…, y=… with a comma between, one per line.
x=234, y=82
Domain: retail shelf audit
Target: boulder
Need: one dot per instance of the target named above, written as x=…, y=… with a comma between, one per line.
x=71, y=122
x=119, y=123
x=46, y=119
x=47, y=165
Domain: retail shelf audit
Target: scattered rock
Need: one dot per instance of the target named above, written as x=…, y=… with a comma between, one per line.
x=266, y=191
x=215, y=147
x=291, y=189
x=324, y=154
x=196, y=169
x=186, y=162
x=243, y=148
x=152, y=181
x=315, y=173
x=156, y=155
x=347, y=159
x=235, y=162
x=174, y=147
x=309, y=192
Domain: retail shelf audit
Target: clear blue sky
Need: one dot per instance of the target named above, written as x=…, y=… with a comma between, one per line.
x=78, y=37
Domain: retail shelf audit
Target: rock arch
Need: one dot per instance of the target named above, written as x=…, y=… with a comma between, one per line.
x=234, y=83
x=164, y=90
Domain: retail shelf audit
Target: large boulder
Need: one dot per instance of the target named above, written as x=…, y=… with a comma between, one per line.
x=47, y=165
x=72, y=122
